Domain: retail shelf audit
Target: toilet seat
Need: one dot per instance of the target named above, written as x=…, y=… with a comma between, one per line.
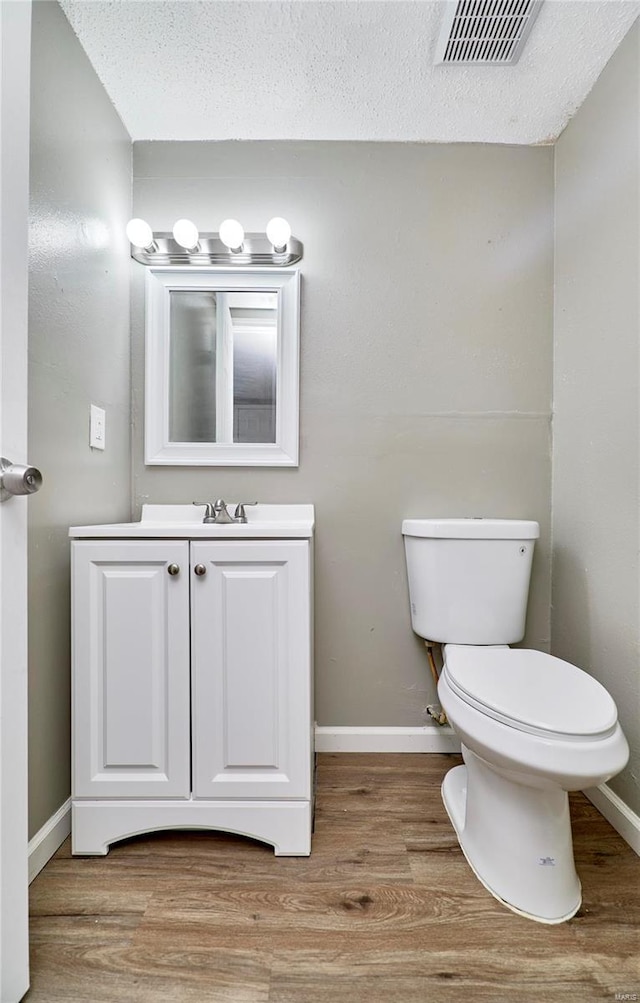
x=530, y=691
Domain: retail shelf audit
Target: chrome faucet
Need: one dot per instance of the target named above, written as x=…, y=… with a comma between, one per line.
x=217, y=512
x=220, y=512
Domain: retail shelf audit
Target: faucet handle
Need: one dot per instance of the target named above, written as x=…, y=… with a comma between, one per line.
x=240, y=514
x=209, y=515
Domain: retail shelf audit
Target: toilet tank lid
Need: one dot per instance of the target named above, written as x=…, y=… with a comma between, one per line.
x=472, y=529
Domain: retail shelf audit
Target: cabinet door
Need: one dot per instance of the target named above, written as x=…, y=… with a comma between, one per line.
x=251, y=669
x=130, y=669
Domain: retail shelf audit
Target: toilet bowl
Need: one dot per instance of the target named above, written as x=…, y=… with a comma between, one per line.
x=522, y=753
x=532, y=726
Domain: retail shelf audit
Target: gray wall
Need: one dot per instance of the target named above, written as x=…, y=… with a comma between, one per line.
x=78, y=354
x=425, y=374
x=596, y=508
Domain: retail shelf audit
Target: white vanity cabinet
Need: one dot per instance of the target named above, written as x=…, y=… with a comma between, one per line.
x=192, y=682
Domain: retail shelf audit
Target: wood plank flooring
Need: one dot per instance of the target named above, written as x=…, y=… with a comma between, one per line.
x=385, y=909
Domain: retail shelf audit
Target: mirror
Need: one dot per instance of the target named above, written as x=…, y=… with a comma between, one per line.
x=222, y=366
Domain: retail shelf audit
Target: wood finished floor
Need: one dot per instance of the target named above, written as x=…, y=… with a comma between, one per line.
x=385, y=909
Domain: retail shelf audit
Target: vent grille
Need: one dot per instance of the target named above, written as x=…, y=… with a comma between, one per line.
x=486, y=31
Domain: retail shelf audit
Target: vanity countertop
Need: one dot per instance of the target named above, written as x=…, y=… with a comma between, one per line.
x=185, y=522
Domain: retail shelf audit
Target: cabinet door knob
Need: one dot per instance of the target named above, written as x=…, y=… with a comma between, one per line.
x=200, y=569
x=174, y=569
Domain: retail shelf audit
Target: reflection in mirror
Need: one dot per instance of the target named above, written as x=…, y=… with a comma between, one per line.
x=254, y=331
x=223, y=366
x=192, y=366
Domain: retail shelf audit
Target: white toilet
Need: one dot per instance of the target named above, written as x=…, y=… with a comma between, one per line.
x=532, y=726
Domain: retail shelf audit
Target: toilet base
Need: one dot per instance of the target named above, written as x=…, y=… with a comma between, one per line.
x=516, y=839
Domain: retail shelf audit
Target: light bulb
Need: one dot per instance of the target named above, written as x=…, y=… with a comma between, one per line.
x=232, y=234
x=278, y=232
x=186, y=234
x=139, y=233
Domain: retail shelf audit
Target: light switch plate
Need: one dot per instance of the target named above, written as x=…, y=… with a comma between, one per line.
x=97, y=427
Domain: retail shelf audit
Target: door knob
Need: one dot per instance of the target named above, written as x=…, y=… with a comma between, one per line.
x=200, y=570
x=18, y=479
x=174, y=569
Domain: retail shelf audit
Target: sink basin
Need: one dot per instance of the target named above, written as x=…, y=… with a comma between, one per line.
x=185, y=521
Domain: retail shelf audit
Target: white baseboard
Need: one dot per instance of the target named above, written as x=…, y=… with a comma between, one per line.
x=622, y=818
x=47, y=840
x=430, y=738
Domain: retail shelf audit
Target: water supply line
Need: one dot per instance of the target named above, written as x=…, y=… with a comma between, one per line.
x=435, y=710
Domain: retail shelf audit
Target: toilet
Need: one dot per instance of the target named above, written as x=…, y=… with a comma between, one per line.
x=531, y=726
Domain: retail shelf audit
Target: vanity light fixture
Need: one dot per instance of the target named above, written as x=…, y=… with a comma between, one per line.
x=230, y=246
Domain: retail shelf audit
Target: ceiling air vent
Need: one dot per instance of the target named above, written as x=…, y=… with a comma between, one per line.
x=486, y=31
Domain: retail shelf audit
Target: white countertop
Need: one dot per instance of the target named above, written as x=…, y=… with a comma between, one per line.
x=185, y=522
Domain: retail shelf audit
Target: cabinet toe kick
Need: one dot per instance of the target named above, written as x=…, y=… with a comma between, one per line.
x=286, y=825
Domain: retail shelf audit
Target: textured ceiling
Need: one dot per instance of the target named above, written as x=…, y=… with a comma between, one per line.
x=337, y=69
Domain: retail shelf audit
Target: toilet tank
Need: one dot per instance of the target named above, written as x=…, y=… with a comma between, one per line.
x=469, y=578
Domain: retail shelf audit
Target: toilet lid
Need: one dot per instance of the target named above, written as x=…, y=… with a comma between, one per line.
x=530, y=690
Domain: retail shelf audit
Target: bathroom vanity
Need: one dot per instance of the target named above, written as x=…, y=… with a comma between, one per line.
x=192, y=676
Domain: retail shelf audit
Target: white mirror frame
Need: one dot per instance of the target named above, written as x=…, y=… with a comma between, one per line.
x=160, y=282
